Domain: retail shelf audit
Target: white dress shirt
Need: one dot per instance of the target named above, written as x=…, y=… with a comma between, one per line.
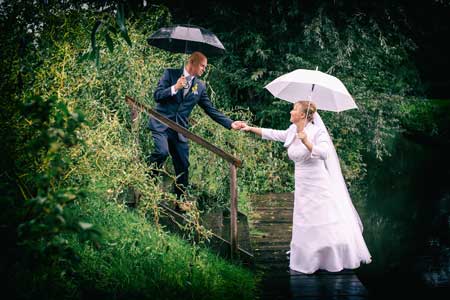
x=186, y=74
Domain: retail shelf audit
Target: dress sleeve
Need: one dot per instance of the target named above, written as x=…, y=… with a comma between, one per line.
x=321, y=146
x=274, y=135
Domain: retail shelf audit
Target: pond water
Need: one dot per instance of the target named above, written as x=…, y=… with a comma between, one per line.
x=407, y=221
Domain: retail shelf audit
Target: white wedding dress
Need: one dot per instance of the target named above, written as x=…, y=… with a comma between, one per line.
x=326, y=229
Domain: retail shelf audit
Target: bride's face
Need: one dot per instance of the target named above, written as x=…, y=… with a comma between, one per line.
x=297, y=114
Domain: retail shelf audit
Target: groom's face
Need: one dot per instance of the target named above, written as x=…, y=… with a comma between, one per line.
x=198, y=67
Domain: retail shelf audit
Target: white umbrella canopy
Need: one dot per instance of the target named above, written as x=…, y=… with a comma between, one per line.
x=326, y=91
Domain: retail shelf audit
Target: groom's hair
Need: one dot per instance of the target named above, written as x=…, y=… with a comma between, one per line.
x=196, y=57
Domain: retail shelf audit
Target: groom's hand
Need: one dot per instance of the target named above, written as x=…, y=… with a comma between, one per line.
x=181, y=82
x=237, y=125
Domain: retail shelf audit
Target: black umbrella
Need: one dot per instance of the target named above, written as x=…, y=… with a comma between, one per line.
x=187, y=39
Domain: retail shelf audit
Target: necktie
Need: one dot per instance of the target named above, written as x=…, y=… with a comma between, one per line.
x=188, y=85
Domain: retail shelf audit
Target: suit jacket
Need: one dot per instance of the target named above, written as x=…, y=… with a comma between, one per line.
x=178, y=108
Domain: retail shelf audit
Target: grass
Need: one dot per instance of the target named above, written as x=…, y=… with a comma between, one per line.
x=133, y=258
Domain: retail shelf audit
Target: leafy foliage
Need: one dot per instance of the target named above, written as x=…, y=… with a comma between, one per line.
x=73, y=154
x=54, y=129
x=73, y=142
x=368, y=53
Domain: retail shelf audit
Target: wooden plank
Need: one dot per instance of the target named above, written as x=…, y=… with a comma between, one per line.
x=273, y=220
x=263, y=243
x=273, y=197
x=272, y=247
x=261, y=234
x=263, y=213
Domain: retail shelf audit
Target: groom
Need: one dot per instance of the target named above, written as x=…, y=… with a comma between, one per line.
x=178, y=91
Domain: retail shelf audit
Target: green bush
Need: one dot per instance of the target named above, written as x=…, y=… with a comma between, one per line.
x=78, y=155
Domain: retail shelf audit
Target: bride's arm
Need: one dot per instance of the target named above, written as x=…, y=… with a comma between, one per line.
x=321, y=146
x=268, y=134
x=318, y=145
x=255, y=130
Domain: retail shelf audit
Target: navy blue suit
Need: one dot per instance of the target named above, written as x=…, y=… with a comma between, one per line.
x=178, y=108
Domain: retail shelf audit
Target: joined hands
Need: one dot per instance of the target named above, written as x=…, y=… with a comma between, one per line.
x=238, y=125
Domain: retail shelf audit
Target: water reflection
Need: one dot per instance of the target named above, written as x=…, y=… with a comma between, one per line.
x=326, y=285
x=407, y=220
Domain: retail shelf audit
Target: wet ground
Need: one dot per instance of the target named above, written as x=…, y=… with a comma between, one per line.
x=270, y=234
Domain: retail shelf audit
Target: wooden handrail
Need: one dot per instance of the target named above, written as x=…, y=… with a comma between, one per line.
x=173, y=125
x=234, y=163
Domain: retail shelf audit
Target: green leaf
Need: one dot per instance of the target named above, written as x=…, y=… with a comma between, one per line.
x=84, y=56
x=59, y=209
x=85, y=226
x=109, y=42
x=94, y=31
x=112, y=29
x=120, y=19
x=126, y=37
x=61, y=219
x=97, y=56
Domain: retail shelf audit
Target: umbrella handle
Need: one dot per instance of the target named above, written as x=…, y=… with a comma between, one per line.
x=307, y=111
x=309, y=104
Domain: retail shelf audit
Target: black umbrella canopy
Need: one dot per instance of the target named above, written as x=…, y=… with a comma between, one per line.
x=186, y=39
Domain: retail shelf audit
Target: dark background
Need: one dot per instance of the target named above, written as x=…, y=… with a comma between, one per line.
x=427, y=23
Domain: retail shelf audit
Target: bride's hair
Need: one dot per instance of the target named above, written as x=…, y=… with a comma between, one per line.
x=303, y=105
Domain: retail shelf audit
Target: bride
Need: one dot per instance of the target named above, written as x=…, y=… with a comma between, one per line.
x=326, y=231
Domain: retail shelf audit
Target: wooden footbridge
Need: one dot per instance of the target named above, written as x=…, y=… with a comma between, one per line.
x=261, y=243
x=271, y=228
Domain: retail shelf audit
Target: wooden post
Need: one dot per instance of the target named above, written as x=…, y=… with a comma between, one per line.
x=233, y=211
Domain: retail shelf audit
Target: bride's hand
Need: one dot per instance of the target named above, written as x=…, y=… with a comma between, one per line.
x=302, y=136
x=246, y=128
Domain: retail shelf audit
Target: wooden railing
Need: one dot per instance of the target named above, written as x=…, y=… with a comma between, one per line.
x=233, y=161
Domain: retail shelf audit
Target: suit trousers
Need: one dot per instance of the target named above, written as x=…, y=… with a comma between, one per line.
x=166, y=143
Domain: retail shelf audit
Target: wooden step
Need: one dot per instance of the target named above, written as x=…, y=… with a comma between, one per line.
x=264, y=213
x=274, y=220
x=272, y=197
x=271, y=252
x=273, y=230
x=278, y=268
x=268, y=242
x=271, y=247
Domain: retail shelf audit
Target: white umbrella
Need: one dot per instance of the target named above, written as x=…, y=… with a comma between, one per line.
x=326, y=91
